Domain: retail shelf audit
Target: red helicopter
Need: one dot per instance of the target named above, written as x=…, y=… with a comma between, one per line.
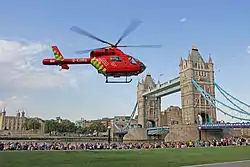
x=109, y=61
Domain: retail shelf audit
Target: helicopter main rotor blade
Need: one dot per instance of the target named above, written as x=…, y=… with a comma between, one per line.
x=83, y=32
x=141, y=46
x=132, y=26
x=87, y=51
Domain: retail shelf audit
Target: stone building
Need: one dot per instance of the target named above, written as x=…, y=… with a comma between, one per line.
x=171, y=116
x=192, y=102
x=149, y=107
x=105, y=121
x=12, y=123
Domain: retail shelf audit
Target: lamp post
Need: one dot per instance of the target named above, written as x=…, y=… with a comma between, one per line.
x=199, y=129
x=109, y=137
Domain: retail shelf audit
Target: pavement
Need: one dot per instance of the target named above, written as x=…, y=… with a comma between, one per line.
x=245, y=163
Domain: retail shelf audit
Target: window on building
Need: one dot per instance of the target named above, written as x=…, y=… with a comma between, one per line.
x=195, y=65
x=208, y=90
x=151, y=111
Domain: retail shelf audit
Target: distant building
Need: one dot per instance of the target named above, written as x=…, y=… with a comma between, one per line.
x=105, y=121
x=121, y=121
x=13, y=123
x=172, y=115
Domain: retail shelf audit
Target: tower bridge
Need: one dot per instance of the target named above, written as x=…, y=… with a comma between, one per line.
x=198, y=103
x=149, y=94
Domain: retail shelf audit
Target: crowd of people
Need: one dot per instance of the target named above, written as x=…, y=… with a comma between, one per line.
x=5, y=146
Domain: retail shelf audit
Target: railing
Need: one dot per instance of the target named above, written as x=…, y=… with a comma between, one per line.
x=157, y=130
x=224, y=126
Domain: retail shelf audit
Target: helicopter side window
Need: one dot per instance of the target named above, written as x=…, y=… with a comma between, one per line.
x=132, y=61
x=115, y=58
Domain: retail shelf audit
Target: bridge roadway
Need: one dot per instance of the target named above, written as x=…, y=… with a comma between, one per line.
x=224, y=126
x=164, y=130
x=157, y=131
x=166, y=88
x=150, y=131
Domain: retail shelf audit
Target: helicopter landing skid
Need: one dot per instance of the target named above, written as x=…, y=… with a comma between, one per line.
x=126, y=81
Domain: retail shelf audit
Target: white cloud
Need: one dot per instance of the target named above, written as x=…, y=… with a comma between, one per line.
x=183, y=19
x=248, y=49
x=21, y=66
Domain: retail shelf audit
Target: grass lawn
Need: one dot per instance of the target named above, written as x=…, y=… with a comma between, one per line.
x=135, y=158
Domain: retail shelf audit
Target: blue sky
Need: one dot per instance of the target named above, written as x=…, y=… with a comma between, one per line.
x=221, y=28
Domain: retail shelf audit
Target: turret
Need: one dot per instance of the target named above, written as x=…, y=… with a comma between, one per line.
x=210, y=60
x=189, y=56
x=23, y=113
x=149, y=82
x=181, y=61
x=3, y=112
x=181, y=64
x=210, y=63
x=18, y=114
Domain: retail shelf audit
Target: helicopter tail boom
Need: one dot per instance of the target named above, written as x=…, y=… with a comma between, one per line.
x=62, y=62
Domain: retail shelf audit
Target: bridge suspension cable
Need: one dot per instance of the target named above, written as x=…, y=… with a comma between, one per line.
x=206, y=95
x=242, y=112
x=231, y=95
x=232, y=102
x=129, y=121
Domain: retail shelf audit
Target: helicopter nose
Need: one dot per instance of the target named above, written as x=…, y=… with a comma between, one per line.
x=142, y=67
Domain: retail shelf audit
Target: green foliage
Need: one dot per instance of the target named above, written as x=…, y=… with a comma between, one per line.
x=31, y=124
x=66, y=126
x=62, y=126
x=97, y=127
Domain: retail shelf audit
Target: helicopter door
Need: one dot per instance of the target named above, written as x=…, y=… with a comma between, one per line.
x=115, y=58
x=115, y=62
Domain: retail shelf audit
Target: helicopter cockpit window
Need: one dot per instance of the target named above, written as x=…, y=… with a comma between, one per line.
x=131, y=60
x=115, y=58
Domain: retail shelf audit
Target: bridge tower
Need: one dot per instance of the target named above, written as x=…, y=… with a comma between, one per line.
x=193, y=104
x=149, y=107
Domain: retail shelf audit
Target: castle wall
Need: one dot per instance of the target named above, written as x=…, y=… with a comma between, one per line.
x=136, y=134
x=182, y=133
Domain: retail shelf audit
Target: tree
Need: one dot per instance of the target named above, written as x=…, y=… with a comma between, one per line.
x=61, y=126
x=98, y=127
x=50, y=126
x=31, y=124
